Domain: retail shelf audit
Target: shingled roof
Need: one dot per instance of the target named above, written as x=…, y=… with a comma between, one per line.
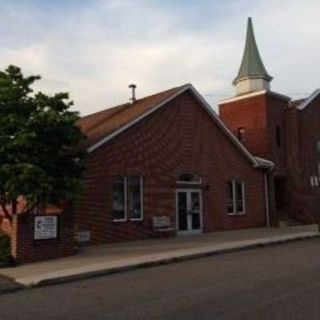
x=102, y=126
x=98, y=125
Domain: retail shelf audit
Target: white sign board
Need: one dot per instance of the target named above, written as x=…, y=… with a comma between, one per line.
x=45, y=227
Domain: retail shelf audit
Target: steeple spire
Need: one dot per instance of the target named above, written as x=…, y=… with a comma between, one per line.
x=252, y=75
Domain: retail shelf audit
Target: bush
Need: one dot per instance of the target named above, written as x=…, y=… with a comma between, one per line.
x=5, y=248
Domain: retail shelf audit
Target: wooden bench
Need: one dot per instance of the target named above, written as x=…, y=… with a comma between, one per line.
x=162, y=224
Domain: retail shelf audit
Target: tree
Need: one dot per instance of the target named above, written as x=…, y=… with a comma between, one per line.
x=38, y=143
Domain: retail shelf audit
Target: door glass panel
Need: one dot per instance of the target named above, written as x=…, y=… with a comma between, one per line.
x=182, y=210
x=195, y=210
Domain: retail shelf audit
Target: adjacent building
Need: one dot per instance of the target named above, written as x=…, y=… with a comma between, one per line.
x=286, y=132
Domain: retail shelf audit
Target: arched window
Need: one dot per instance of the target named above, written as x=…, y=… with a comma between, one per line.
x=189, y=178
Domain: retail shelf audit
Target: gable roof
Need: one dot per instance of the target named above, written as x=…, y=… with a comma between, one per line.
x=102, y=126
x=304, y=103
x=106, y=124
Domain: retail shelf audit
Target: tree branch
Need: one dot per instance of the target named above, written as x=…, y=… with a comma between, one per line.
x=5, y=210
x=30, y=209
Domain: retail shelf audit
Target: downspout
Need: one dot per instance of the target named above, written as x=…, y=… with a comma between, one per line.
x=266, y=195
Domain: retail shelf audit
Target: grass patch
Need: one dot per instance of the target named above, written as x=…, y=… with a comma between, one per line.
x=5, y=248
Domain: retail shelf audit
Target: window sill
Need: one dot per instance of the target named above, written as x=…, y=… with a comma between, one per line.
x=236, y=214
x=126, y=220
x=118, y=220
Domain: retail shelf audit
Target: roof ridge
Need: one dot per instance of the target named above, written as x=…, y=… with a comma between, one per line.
x=128, y=103
x=122, y=108
x=100, y=111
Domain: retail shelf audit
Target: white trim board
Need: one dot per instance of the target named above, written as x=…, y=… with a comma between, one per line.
x=306, y=102
x=253, y=94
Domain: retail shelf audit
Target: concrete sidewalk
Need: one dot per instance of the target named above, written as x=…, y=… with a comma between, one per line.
x=111, y=258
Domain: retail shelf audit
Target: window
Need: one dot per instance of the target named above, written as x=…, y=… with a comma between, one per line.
x=127, y=198
x=280, y=192
x=189, y=178
x=135, y=197
x=239, y=197
x=230, y=204
x=314, y=181
x=278, y=136
x=236, y=198
x=240, y=133
x=119, y=198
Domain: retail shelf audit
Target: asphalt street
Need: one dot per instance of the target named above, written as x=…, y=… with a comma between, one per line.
x=278, y=282
x=7, y=285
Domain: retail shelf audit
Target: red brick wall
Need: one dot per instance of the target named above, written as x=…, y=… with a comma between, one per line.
x=251, y=114
x=25, y=249
x=276, y=108
x=295, y=159
x=260, y=115
x=303, y=133
x=180, y=137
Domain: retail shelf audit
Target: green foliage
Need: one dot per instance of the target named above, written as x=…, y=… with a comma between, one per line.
x=37, y=136
x=5, y=248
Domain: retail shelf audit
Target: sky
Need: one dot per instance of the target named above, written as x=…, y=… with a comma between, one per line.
x=94, y=49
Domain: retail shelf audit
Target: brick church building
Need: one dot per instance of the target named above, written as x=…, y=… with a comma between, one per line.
x=272, y=126
x=167, y=163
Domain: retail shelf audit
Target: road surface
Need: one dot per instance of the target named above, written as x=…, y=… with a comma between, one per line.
x=278, y=282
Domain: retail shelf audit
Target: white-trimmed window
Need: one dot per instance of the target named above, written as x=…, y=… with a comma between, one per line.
x=127, y=200
x=236, y=197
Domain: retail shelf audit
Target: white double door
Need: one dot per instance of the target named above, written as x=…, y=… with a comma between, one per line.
x=189, y=211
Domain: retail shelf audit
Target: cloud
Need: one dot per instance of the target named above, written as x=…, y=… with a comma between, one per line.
x=94, y=49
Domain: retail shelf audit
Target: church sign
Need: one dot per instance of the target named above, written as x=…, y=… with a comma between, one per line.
x=45, y=227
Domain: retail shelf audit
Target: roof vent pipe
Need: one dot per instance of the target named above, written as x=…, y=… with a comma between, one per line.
x=133, y=93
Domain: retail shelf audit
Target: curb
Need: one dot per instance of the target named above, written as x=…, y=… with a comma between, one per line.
x=164, y=261
x=11, y=286
x=11, y=290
